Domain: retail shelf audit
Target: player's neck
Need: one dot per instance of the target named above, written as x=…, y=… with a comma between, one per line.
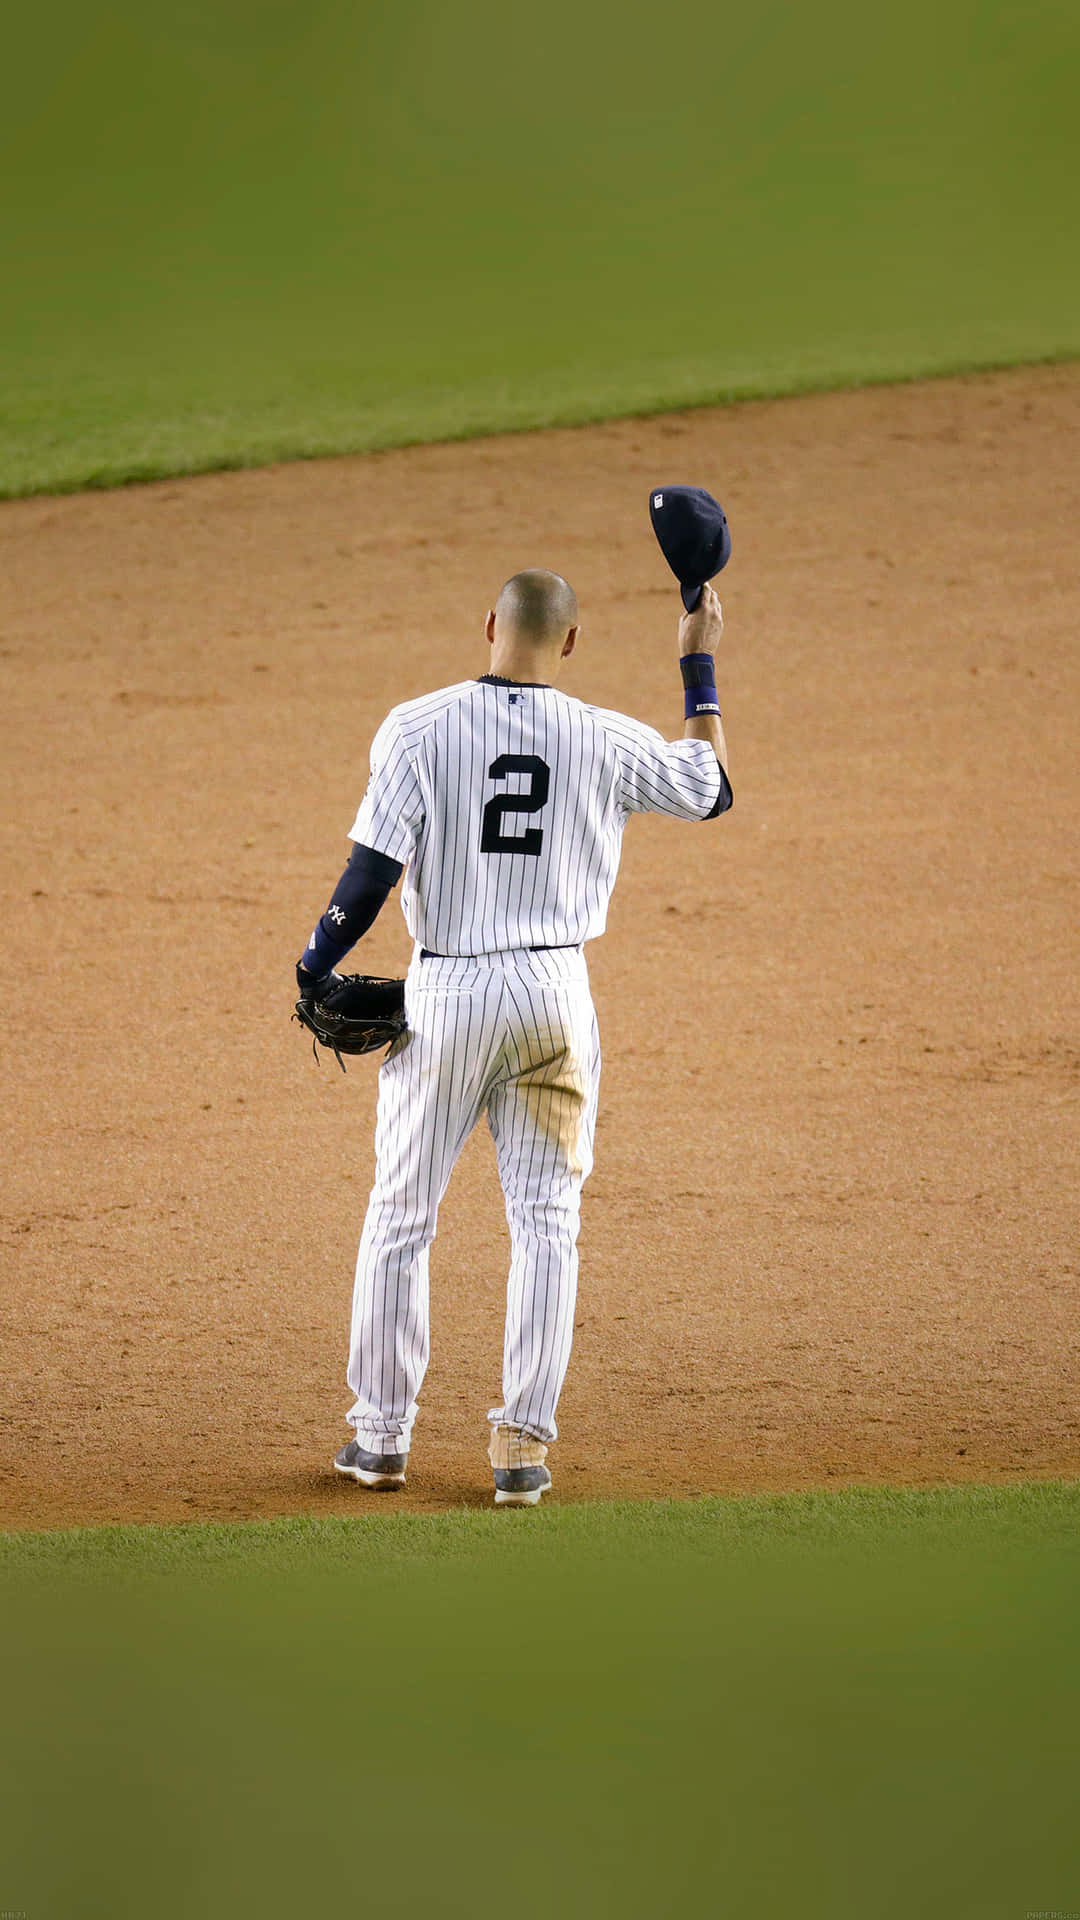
x=531, y=666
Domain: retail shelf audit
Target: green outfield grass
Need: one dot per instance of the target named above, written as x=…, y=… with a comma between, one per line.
x=234, y=233
x=823, y=1704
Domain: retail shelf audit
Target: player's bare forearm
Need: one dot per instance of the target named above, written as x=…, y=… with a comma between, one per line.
x=706, y=726
x=700, y=634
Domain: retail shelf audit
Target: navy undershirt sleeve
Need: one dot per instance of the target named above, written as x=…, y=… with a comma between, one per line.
x=723, y=799
x=358, y=897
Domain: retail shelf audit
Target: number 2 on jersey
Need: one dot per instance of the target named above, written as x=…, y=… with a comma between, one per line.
x=493, y=839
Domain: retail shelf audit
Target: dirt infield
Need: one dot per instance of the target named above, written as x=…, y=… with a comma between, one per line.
x=832, y=1232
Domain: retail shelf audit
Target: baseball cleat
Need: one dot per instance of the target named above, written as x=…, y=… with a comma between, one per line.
x=371, y=1469
x=520, y=1486
x=517, y=1459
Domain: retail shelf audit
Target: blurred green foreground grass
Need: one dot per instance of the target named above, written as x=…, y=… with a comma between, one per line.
x=231, y=233
x=820, y=1704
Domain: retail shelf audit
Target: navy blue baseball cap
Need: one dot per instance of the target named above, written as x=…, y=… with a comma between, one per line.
x=694, y=536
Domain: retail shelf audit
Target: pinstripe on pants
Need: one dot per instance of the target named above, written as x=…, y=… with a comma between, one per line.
x=513, y=1035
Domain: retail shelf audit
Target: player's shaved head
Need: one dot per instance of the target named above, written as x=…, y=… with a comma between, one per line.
x=538, y=605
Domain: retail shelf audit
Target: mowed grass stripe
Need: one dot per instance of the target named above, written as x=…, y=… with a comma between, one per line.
x=233, y=235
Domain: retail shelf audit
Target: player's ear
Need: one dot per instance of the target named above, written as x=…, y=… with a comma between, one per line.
x=489, y=627
x=570, y=642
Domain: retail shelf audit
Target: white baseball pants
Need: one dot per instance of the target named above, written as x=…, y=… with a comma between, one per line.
x=512, y=1035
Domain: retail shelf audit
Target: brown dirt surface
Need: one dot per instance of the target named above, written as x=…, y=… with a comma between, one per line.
x=831, y=1236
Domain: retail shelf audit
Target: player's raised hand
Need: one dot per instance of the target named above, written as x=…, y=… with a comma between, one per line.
x=702, y=630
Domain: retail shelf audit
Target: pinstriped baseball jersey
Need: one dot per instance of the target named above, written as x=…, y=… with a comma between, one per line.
x=506, y=804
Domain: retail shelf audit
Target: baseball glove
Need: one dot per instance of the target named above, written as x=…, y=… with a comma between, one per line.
x=351, y=1013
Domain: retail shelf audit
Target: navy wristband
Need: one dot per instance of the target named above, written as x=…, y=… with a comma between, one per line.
x=700, y=700
x=698, y=670
x=699, y=679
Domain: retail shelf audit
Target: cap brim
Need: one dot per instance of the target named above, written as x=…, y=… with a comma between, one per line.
x=691, y=596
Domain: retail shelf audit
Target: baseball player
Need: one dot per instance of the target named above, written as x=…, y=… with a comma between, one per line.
x=502, y=801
